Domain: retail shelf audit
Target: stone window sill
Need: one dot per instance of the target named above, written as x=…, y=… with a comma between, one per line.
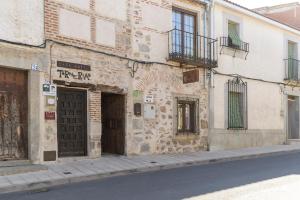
x=187, y=136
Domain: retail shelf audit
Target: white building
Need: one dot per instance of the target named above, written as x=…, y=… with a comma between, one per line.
x=260, y=107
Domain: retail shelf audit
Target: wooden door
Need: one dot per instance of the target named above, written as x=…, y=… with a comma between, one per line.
x=71, y=122
x=13, y=114
x=113, y=123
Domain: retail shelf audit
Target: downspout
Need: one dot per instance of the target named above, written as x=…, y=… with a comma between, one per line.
x=207, y=32
x=211, y=21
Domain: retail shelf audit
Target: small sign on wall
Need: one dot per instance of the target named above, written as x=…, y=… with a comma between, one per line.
x=149, y=99
x=49, y=90
x=51, y=100
x=50, y=115
x=34, y=67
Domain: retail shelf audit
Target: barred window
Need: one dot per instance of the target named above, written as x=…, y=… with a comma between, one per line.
x=237, y=104
x=187, y=115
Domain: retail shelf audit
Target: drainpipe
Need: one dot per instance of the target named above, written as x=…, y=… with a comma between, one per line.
x=210, y=33
x=207, y=24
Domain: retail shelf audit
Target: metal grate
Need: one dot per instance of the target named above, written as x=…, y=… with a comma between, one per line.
x=292, y=69
x=237, y=104
x=227, y=42
x=190, y=48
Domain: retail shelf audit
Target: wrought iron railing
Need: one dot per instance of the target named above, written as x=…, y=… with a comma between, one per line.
x=193, y=49
x=292, y=69
x=236, y=44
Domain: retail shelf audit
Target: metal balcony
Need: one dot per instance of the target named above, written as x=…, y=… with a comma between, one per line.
x=192, y=49
x=292, y=69
x=238, y=46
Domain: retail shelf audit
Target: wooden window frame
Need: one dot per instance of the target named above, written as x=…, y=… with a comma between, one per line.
x=184, y=12
x=194, y=116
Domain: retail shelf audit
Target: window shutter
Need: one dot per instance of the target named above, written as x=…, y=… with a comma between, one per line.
x=233, y=34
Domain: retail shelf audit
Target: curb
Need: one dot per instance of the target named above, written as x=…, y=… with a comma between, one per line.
x=44, y=186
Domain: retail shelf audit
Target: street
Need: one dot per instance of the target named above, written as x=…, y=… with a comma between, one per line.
x=273, y=178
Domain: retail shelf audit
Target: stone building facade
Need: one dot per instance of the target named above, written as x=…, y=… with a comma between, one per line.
x=111, y=63
x=135, y=77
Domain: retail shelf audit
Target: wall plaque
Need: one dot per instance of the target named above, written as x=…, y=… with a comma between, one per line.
x=49, y=89
x=49, y=115
x=73, y=66
x=191, y=76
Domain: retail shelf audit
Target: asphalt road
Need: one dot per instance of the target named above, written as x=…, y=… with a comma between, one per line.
x=273, y=178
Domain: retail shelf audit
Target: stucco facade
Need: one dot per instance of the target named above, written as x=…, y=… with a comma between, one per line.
x=263, y=68
x=22, y=38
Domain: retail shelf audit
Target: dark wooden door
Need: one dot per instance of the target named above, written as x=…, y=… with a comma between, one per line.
x=71, y=122
x=13, y=114
x=113, y=123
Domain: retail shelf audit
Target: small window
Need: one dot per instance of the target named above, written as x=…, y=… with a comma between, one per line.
x=237, y=104
x=187, y=115
x=233, y=34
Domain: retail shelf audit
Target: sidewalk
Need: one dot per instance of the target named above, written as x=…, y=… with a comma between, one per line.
x=88, y=169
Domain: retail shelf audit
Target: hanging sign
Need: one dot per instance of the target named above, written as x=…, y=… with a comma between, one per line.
x=191, y=76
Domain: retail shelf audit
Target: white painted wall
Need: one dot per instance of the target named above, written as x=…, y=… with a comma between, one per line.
x=74, y=25
x=268, y=49
x=116, y=9
x=22, y=21
x=267, y=46
x=105, y=33
x=83, y=4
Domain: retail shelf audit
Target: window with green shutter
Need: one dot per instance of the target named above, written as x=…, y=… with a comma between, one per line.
x=293, y=63
x=233, y=34
x=237, y=104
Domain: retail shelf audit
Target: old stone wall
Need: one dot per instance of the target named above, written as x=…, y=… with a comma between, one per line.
x=89, y=33
x=159, y=135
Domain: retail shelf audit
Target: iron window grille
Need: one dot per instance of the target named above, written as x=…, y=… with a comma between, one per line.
x=237, y=104
x=187, y=116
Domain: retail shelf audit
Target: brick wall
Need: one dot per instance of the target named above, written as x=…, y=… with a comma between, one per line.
x=123, y=30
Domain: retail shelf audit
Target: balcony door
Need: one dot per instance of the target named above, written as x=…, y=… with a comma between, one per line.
x=292, y=61
x=184, y=34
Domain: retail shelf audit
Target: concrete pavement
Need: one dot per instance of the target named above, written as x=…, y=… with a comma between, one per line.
x=273, y=177
x=91, y=169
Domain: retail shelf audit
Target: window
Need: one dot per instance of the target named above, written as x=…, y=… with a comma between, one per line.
x=187, y=115
x=233, y=34
x=292, y=60
x=237, y=104
x=184, y=24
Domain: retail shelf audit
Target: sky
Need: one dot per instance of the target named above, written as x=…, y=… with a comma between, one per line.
x=261, y=3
